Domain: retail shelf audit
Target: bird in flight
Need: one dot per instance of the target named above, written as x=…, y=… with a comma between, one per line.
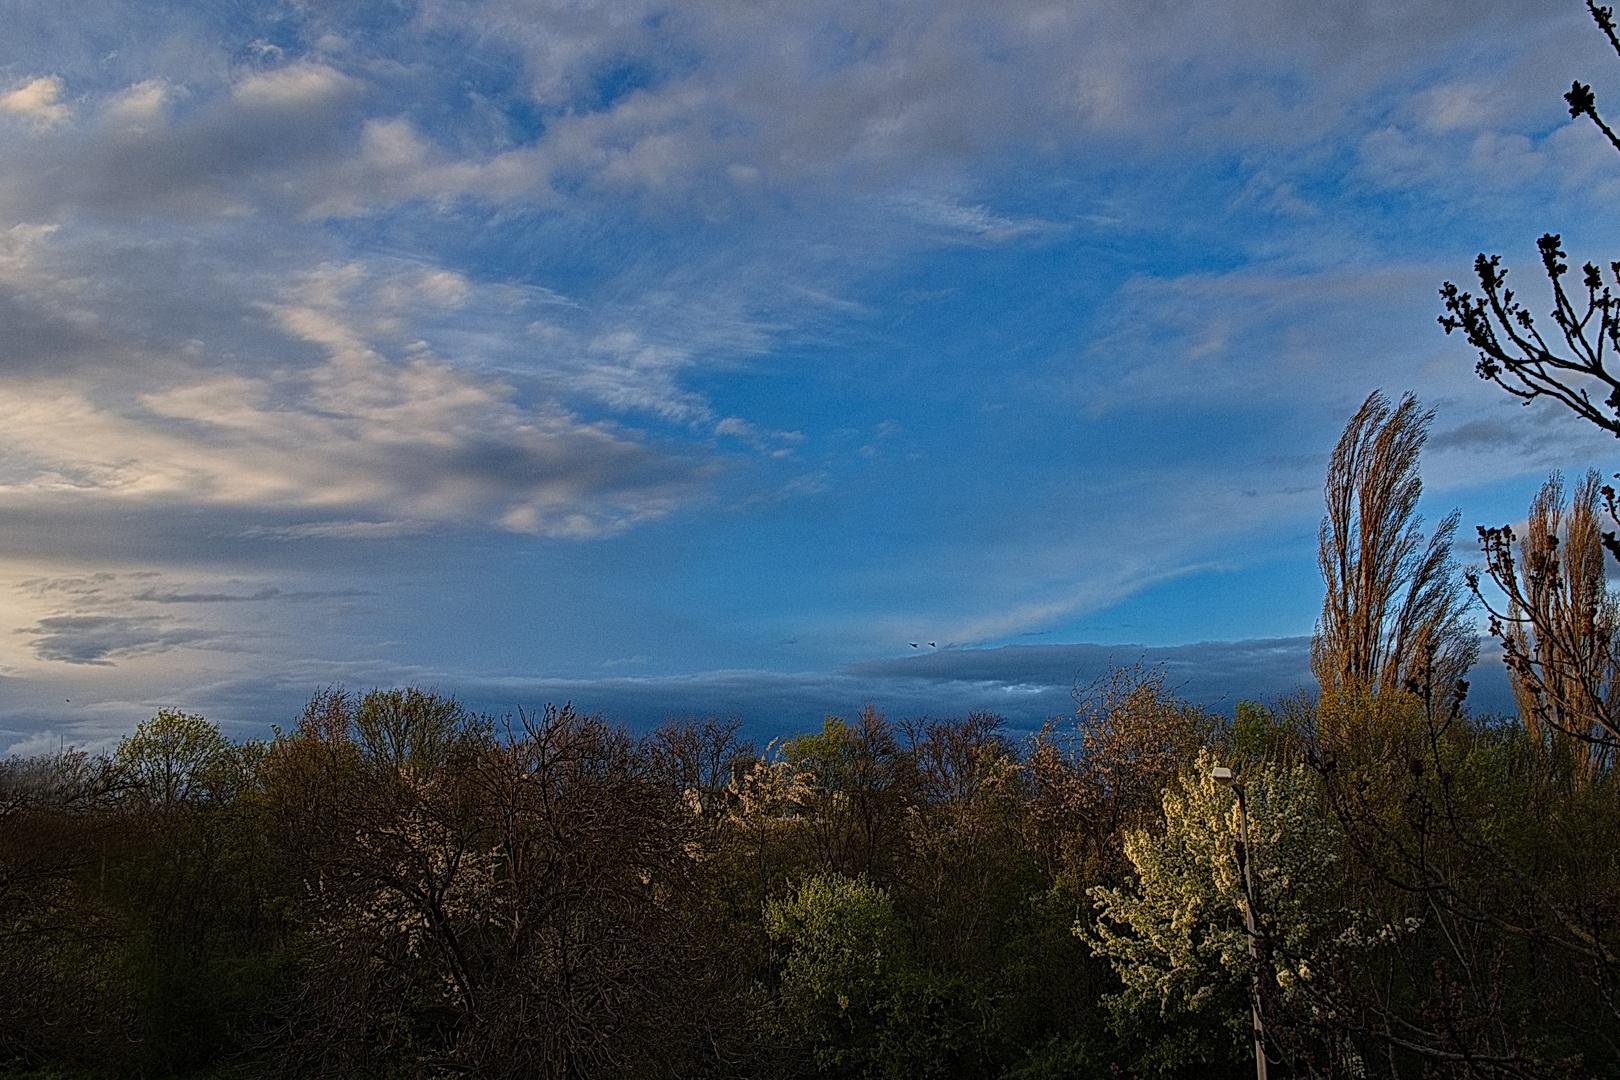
x=913, y=644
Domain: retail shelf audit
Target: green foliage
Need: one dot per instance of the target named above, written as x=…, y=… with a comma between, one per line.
x=854, y=985
x=830, y=759
x=175, y=758
x=1077, y=1057
x=847, y=945
x=1259, y=733
x=414, y=731
x=849, y=791
x=1487, y=884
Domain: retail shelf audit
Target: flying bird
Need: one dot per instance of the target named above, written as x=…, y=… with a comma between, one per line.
x=913, y=644
x=931, y=645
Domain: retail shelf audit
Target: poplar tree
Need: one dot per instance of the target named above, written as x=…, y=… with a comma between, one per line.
x=1559, y=623
x=1393, y=616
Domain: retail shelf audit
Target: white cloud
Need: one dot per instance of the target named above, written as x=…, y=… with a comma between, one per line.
x=36, y=101
x=141, y=108
x=17, y=246
x=412, y=437
x=708, y=108
x=777, y=443
x=300, y=86
x=718, y=95
x=98, y=618
x=103, y=639
x=1453, y=106
x=40, y=742
x=976, y=220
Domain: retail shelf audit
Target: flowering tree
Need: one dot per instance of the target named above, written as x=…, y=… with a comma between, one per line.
x=1176, y=937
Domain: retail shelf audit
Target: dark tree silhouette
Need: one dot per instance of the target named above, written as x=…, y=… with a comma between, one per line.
x=1572, y=366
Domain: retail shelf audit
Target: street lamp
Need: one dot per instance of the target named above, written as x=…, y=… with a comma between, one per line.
x=1224, y=777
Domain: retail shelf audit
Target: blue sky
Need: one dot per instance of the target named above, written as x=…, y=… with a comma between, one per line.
x=700, y=357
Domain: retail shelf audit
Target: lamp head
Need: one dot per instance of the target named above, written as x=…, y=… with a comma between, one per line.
x=1222, y=775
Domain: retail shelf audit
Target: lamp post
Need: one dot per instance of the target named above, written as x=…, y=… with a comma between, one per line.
x=1224, y=777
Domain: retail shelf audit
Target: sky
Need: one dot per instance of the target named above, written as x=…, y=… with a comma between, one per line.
x=701, y=357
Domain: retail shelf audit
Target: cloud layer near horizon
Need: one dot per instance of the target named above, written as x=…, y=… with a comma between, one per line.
x=1025, y=685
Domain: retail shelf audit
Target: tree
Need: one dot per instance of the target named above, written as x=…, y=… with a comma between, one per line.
x=1483, y=887
x=1393, y=615
x=858, y=992
x=1558, y=628
x=499, y=904
x=1093, y=780
x=1513, y=352
x=173, y=758
x=965, y=871
x=846, y=951
x=196, y=885
x=1176, y=937
x=67, y=998
x=854, y=789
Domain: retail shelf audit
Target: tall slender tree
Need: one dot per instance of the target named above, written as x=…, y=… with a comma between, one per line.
x=1559, y=624
x=1393, y=615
